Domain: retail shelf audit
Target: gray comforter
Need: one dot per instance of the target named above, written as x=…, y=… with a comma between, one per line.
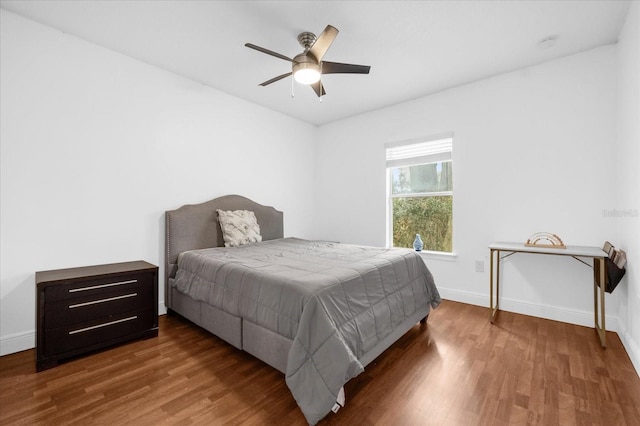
x=334, y=301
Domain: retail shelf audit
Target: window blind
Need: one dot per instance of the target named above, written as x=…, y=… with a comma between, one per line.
x=419, y=151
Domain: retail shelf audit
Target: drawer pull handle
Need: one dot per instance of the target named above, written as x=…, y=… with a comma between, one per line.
x=93, y=287
x=80, y=330
x=93, y=302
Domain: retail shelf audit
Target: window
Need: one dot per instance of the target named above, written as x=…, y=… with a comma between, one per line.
x=420, y=193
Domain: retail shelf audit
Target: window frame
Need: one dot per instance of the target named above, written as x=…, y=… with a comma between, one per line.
x=416, y=160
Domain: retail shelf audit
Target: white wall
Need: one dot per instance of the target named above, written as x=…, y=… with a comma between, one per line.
x=531, y=153
x=627, y=205
x=95, y=146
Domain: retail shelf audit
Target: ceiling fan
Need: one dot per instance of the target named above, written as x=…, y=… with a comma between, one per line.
x=308, y=66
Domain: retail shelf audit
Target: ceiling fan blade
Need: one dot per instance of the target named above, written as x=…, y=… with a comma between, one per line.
x=323, y=42
x=274, y=79
x=318, y=88
x=338, y=68
x=267, y=51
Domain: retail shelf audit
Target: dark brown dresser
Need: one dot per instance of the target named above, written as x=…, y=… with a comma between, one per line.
x=83, y=309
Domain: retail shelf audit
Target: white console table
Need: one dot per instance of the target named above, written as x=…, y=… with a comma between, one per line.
x=596, y=253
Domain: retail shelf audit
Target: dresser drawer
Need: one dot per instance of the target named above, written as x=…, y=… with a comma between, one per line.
x=95, y=287
x=94, y=333
x=95, y=305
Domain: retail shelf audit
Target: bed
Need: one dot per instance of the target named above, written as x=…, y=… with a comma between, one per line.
x=317, y=311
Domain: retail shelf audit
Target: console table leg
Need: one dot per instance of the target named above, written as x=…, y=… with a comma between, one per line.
x=493, y=309
x=599, y=283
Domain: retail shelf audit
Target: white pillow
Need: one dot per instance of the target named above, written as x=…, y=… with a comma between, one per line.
x=239, y=227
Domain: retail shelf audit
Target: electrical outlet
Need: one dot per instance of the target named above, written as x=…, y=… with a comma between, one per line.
x=479, y=266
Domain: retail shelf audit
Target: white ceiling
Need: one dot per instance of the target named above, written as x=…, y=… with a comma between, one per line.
x=415, y=48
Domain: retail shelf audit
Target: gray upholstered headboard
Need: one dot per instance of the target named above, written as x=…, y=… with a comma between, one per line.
x=195, y=226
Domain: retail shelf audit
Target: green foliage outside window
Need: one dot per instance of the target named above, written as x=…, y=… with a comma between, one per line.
x=431, y=217
x=422, y=197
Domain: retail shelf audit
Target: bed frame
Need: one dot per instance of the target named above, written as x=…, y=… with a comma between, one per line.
x=195, y=226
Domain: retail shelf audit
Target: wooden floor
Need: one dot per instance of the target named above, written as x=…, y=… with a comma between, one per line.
x=457, y=370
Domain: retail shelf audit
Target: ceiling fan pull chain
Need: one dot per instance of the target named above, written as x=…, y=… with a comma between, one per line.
x=292, y=86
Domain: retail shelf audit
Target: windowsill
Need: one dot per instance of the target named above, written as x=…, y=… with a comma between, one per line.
x=438, y=255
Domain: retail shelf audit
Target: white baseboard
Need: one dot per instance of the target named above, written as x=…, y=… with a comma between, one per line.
x=464, y=296
x=631, y=346
x=162, y=310
x=19, y=342
x=556, y=313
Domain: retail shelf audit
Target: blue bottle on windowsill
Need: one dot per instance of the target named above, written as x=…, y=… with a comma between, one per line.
x=417, y=243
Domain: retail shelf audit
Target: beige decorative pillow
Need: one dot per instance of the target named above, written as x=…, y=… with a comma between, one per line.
x=239, y=227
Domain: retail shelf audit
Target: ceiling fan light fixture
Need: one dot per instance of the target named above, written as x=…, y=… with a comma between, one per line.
x=305, y=70
x=307, y=76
